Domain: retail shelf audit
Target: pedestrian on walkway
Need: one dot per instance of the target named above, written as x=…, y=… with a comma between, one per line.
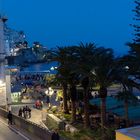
x=20, y=112
x=55, y=135
x=24, y=112
x=10, y=118
x=29, y=110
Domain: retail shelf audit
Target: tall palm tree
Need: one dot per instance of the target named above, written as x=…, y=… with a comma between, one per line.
x=126, y=79
x=72, y=57
x=60, y=55
x=84, y=67
x=103, y=72
x=66, y=57
x=73, y=95
x=62, y=79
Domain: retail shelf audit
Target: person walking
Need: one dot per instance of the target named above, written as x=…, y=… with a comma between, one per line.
x=20, y=112
x=29, y=110
x=24, y=112
x=10, y=118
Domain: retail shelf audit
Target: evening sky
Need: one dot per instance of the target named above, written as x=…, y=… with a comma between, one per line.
x=68, y=22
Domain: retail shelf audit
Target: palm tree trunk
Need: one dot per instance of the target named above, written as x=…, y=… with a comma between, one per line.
x=73, y=111
x=103, y=117
x=73, y=94
x=86, y=109
x=126, y=112
x=103, y=111
x=65, y=105
x=103, y=95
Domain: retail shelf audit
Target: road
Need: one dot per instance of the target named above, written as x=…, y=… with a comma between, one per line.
x=8, y=133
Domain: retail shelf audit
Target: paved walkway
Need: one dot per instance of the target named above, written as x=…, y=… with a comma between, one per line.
x=37, y=116
x=25, y=135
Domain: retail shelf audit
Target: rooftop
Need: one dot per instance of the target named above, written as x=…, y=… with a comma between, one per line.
x=132, y=132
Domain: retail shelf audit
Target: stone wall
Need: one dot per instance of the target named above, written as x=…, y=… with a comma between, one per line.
x=54, y=122
x=29, y=126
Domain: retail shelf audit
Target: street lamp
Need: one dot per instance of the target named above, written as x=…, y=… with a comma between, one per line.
x=49, y=91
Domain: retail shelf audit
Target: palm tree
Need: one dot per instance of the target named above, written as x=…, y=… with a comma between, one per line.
x=62, y=79
x=126, y=79
x=60, y=55
x=66, y=57
x=73, y=77
x=103, y=72
x=85, y=85
x=73, y=96
x=84, y=67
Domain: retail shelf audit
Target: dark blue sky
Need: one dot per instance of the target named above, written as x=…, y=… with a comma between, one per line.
x=68, y=22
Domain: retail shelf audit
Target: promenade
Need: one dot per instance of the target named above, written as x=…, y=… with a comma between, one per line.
x=18, y=133
x=13, y=132
x=37, y=115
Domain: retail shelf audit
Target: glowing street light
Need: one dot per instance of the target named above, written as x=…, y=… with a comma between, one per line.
x=49, y=91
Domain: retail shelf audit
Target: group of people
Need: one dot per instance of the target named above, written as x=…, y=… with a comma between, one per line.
x=25, y=112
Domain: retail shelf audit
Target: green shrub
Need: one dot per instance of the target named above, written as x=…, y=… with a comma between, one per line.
x=54, y=109
x=67, y=117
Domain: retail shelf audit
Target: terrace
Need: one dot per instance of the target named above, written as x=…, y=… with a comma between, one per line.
x=132, y=133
